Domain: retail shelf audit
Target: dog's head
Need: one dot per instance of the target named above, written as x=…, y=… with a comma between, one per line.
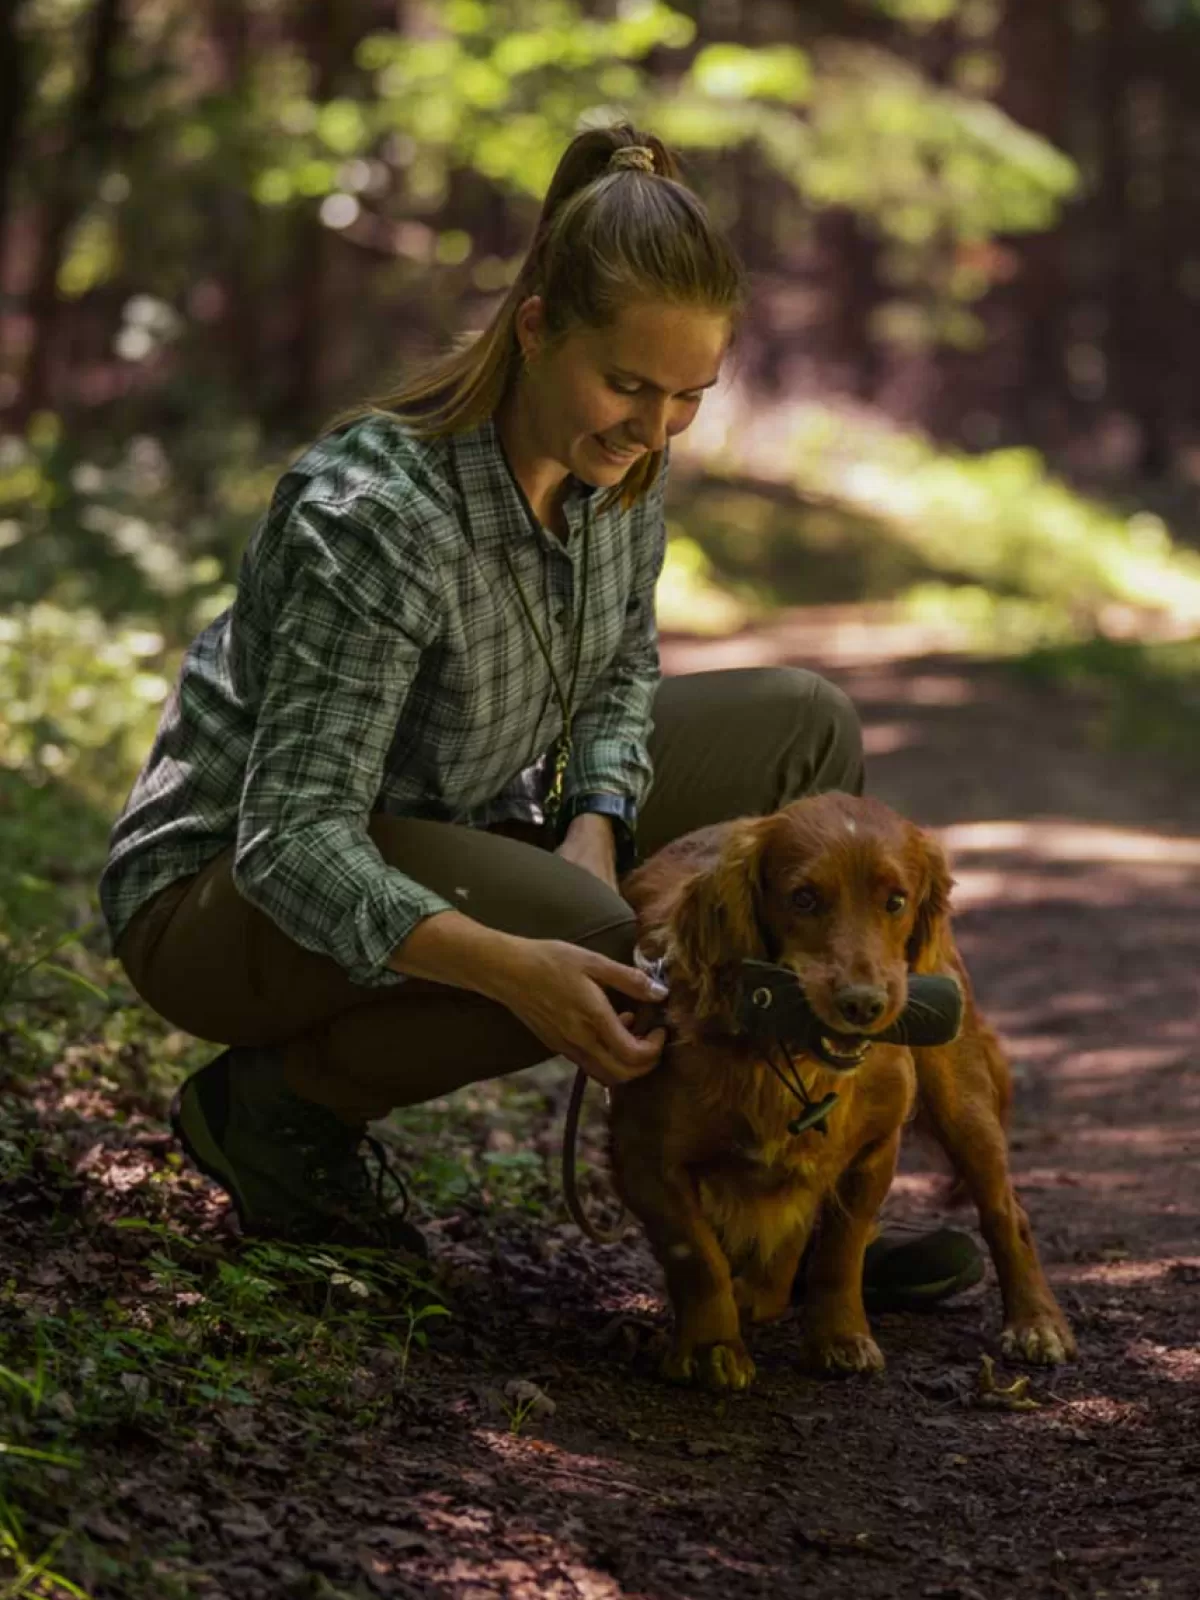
x=843, y=891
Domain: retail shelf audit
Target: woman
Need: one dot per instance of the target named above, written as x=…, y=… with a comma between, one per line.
x=361, y=854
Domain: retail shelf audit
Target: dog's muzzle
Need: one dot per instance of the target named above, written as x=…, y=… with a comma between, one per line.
x=773, y=1009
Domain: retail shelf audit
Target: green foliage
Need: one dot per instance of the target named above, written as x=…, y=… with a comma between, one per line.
x=1000, y=521
x=452, y=1165
x=16, y=967
x=1149, y=693
x=80, y=703
x=778, y=72
x=372, y=141
x=31, y=1575
x=311, y=1329
x=129, y=527
x=919, y=13
x=315, y=1333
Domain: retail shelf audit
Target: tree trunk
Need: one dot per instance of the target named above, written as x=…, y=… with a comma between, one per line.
x=328, y=33
x=12, y=100
x=237, y=251
x=66, y=201
x=1036, y=43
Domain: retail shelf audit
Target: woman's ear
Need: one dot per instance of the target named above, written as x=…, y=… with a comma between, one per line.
x=929, y=946
x=717, y=921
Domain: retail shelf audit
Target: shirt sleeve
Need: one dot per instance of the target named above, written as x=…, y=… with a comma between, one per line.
x=339, y=673
x=609, y=752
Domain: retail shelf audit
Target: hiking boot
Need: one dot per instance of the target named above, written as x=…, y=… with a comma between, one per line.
x=293, y=1169
x=908, y=1269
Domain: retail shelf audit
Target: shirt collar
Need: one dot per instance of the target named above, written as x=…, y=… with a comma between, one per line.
x=483, y=469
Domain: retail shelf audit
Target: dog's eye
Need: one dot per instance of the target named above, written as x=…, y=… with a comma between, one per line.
x=896, y=902
x=805, y=900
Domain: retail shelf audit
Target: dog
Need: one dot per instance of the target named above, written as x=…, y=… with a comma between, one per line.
x=852, y=898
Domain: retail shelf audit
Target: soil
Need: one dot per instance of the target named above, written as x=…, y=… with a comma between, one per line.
x=1077, y=899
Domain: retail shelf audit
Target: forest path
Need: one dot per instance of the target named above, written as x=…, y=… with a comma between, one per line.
x=1078, y=896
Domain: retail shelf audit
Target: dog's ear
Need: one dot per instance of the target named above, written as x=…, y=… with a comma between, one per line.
x=929, y=945
x=717, y=921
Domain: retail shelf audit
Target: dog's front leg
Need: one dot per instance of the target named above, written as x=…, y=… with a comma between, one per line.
x=707, y=1344
x=961, y=1088
x=837, y=1336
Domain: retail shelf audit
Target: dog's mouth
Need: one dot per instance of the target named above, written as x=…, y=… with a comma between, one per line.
x=841, y=1050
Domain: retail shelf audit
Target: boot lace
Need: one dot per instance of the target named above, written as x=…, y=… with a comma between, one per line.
x=340, y=1171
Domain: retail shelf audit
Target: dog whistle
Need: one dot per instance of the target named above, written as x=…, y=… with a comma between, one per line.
x=814, y=1116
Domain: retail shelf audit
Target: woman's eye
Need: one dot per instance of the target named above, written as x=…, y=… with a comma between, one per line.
x=690, y=398
x=804, y=900
x=896, y=902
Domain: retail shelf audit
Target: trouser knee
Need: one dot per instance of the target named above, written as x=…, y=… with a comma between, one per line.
x=827, y=749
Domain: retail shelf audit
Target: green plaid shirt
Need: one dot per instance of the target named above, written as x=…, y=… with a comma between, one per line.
x=376, y=658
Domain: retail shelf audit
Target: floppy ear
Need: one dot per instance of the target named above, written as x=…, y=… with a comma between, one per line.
x=717, y=922
x=929, y=945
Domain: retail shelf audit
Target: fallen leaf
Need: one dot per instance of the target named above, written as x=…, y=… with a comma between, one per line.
x=989, y=1393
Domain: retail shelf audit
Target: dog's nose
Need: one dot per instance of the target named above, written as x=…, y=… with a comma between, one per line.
x=861, y=1004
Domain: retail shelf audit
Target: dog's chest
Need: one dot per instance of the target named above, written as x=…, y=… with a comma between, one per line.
x=775, y=1157
x=764, y=1187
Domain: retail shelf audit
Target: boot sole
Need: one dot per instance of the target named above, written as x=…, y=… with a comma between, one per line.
x=921, y=1297
x=203, y=1151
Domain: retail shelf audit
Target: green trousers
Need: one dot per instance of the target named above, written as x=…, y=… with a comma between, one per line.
x=724, y=744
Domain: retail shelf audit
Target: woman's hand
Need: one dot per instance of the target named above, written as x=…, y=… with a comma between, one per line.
x=557, y=989
x=590, y=843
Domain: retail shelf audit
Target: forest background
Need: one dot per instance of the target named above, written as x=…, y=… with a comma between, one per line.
x=967, y=386
x=965, y=400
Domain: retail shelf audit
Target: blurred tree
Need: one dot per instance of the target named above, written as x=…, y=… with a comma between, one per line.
x=66, y=196
x=12, y=96
x=219, y=221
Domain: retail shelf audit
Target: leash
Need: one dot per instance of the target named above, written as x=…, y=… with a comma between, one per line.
x=570, y=1140
x=813, y=1116
x=655, y=970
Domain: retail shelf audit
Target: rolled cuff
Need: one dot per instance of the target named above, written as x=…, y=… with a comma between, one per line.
x=336, y=897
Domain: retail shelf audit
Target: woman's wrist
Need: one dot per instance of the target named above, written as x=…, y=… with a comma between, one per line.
x=593, y=826
x=449, y=947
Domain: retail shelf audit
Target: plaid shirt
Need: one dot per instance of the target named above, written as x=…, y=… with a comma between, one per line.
x=376, y=658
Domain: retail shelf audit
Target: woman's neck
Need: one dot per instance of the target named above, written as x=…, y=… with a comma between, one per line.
x=543, y=478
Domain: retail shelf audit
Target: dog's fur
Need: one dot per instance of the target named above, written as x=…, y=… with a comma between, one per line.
x=848, y=895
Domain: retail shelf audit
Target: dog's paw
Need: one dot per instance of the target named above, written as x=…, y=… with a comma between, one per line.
x=714, y=1366
x=1044, y=1340
x=840, y=1355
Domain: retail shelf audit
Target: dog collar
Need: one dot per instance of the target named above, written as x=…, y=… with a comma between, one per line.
x=655, y=968
x=815, y=1112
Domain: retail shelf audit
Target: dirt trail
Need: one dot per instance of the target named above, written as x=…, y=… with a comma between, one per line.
x=1078, y=896
x=1078, y=893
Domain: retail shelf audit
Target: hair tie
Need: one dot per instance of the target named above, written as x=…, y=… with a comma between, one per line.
x=639, y=156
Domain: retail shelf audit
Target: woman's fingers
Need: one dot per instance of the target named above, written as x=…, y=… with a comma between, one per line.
x=632, y=981
x=611, y=1072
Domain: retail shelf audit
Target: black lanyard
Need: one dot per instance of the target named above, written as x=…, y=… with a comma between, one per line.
x=562, y=746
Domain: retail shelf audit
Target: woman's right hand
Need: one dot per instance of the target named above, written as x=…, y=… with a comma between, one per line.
x=557, y=990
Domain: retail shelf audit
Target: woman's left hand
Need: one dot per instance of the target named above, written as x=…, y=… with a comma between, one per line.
x=590, y=843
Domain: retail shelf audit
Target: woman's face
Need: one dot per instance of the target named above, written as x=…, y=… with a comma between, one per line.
x=632, y=386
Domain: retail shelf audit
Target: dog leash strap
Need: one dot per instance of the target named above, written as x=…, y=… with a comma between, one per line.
x=815, y=1111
